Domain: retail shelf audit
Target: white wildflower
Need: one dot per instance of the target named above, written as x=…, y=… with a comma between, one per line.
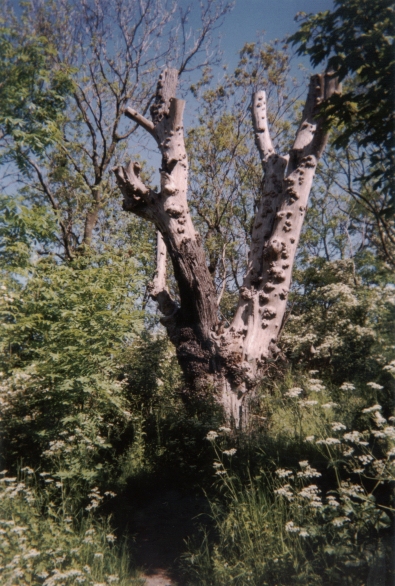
x=354, y=437
x=372, y=409
x=390, y=367
x=230, y=452
x=225, y=429
x=375, y=386
x=217, y=465
x=310, y=438
x=339, y=521
x=329, y=441
x=294, y=392
x=32, y=553
x=365, y=459
x=389, y=431
x=313, y=372
x=379, y=465
x=347, y=387
x=330, y=405
x=309, y=491
x=18, y=530
x=348, y=489
x=110, y=538
x=309, y=472
x=220, y=472
x=303, y=533
x=305, y=403
x=315, y=384
x=283, y=473
x=98, y=555
x=332, y=502
x=211, y=436
x=379, y=419
x=291, y=527
x=337, y=426
x=285, y=492
x=303, y=464
x=112, y=578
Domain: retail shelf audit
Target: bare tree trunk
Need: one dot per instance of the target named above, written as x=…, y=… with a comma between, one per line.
x=231, y=361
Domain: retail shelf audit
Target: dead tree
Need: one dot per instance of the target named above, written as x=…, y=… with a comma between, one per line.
x=230, y=361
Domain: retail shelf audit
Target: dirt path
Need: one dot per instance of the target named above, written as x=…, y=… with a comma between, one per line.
x=161, y=578
x=161, y=527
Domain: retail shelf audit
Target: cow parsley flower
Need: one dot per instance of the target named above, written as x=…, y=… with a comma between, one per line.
x=211, y=436
x=339, y=521
x=294, y=392
x=347, y=387
x=291, y=527
x=372, y=409
x=375, y=386
x=283, y=473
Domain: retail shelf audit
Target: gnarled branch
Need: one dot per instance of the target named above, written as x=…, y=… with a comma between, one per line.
x=261, y=127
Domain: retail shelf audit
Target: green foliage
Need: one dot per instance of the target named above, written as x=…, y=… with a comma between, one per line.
x=280, y=519
x=63, y=334
x=357, y=39
x=33, y=94
x=338, y=321
x=43, y=543
x=22, y=227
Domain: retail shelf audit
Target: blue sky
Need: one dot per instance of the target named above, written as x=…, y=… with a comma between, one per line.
x=274, y=17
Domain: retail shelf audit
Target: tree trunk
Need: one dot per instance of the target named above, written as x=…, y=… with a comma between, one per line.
x=230, y=361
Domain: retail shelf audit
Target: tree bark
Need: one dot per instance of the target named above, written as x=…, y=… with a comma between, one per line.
x=230, y=361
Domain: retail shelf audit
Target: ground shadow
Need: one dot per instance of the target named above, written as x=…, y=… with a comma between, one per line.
x=160, y=516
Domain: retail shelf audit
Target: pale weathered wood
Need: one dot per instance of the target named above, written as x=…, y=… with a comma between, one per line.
x=230, y=361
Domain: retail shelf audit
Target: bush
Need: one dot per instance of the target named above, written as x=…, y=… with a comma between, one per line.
x=43, y=542
x=317, y=512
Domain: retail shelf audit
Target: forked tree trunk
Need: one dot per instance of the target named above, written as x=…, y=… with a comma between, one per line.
x=228, y=361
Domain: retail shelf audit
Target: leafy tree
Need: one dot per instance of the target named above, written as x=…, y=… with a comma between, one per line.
x=33, y=94
x=104, y=57
x=356, y=40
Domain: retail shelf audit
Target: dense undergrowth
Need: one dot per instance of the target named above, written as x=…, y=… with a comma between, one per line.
x=92, y=406
x=304, y=496
x=92, y=402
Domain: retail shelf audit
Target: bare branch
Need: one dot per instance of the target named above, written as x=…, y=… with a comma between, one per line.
x=261, y=127
x=165, y=90
x=54, y=205
x=312, y=134
x=133, y=189
x=157, y=288
x=140, y=120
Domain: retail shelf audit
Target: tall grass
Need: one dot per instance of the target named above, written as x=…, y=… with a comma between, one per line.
x=43, y=542
x=316, y=509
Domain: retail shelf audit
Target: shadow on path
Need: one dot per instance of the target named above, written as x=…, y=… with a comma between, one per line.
x=160, y=520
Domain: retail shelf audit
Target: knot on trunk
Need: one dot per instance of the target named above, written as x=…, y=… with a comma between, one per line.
x=130, y=184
